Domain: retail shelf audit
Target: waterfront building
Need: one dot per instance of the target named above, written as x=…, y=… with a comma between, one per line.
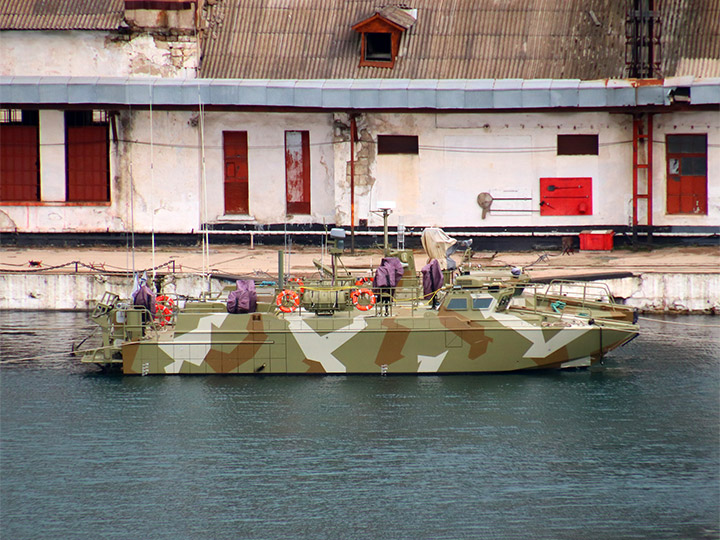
x=510, y=119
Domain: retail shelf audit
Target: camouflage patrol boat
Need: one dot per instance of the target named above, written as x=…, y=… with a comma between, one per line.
x=338, y=326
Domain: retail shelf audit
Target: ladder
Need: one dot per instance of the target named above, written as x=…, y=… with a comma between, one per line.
x=642, y=174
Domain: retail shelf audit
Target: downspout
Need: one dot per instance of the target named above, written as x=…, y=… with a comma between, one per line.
x=353, y=134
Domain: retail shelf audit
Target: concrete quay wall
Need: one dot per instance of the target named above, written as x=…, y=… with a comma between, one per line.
x=648, y=292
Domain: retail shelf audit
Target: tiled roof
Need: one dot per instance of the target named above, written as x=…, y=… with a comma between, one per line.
x=61, y=14
x=451, y=39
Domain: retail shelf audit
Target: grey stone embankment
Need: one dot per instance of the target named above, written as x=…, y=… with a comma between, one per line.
x=679, y=279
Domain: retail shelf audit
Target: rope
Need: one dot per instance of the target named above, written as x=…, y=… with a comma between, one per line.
x=679, y=323
x=92, y=267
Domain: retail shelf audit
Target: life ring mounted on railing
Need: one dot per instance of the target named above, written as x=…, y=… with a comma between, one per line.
x=287, y=301
x=298, y=282
x=163, y=309
x=165, y=300
x=357, y=294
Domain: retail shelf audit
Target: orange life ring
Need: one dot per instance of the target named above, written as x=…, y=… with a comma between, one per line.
x=165, y=300
x=299, y=283
x=357, y=293
x=286, y=297
x=163, y=314
x=362, y=281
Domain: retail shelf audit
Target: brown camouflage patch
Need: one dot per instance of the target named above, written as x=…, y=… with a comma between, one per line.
x=314, y=367
x=393, y=342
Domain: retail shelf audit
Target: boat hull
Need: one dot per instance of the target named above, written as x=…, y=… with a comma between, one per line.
x=267, y=343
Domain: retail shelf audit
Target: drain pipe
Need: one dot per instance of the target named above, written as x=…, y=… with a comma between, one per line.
x=353, y=136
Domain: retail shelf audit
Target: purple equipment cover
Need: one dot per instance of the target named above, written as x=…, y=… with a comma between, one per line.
x=244, y=298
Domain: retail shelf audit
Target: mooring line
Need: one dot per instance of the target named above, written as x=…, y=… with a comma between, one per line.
x=679, y=323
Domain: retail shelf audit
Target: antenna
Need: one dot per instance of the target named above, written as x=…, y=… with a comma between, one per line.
x=384, y=209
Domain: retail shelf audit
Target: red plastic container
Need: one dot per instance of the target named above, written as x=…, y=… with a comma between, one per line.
x=596, y=240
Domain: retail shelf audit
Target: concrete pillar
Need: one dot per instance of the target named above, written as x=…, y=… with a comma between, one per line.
x=52, y=156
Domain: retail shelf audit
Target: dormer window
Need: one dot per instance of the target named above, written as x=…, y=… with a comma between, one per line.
x=378, y=46
x=380, y=36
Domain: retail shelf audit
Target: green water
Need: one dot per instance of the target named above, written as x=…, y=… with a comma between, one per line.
x=631, y=450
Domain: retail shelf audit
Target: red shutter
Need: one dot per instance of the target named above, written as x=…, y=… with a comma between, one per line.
x=297, y=171
x=87, y=164
x=236, y=172
x=19, y=163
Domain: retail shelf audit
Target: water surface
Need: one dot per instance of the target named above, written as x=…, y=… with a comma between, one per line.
x=630, y=450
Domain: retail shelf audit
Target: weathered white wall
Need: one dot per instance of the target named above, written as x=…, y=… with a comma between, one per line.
x=157, y=175
x=95, y=54
x=266, y=164
x=461, y=155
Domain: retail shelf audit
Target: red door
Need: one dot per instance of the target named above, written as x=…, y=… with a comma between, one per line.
x=297, y=171
x=686, y=174
x=236, y=172
x=87, y=164
x=19, y=165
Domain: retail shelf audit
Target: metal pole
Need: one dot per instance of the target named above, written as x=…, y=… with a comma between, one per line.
x=281, y=269
x=353, y=129
x=386, y=245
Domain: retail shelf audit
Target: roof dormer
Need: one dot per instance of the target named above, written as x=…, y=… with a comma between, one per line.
x=380, y=35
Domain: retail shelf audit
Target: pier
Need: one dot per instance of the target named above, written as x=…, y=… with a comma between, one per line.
x=670, y=279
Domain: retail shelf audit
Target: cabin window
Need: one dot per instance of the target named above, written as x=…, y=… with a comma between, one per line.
x=577, y=145
x=87, y=156
x=686, y=174
x=19, y=156
x=397, y=144
x=481, y=302
x=457, y=304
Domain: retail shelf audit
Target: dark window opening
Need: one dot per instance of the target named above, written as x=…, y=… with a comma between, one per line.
x=577, y=145
x=378, y=47
x=87, y=154
x=397, y=144
x=19, y=117
x=85, y=118
x=19, y=156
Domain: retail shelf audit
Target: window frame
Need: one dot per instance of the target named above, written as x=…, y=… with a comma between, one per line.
x=304, y=206
x=678, y=176
x=28, y=122
x=388, y=145
x=578, y=144
x=75, y=123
